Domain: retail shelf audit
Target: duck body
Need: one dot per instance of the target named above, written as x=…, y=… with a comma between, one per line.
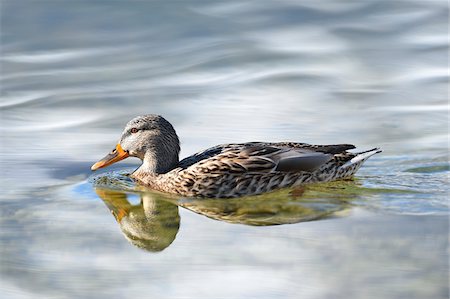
x=234, y=170
x=228, y=170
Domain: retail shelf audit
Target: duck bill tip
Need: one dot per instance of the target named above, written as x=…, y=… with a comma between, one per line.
x=114, y=156
x=96, y=166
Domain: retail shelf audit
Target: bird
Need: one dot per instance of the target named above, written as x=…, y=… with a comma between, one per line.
x=227, y=170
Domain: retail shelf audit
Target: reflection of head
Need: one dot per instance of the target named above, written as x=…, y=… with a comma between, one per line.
x=151, y=225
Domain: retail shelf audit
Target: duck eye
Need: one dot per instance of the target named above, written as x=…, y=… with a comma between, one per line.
x=134, y=130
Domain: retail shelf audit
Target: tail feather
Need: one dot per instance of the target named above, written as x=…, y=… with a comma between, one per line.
x=362, y=156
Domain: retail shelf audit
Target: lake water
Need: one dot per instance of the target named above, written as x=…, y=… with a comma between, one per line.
x=371, y=73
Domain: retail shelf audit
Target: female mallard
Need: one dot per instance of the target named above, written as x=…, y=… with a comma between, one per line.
x=227, y=170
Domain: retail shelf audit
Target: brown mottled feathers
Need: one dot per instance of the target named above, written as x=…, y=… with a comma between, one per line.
x=264, y=147
x=233, y=170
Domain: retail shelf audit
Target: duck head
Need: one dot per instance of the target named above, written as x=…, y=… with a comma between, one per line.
x=150, y=138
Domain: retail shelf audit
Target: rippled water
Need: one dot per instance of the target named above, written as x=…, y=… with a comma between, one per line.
x=371, y=73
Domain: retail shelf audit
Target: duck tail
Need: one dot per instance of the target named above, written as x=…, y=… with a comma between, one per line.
x=362, y=156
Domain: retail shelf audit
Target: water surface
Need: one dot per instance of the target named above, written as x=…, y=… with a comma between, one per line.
x=371, y=73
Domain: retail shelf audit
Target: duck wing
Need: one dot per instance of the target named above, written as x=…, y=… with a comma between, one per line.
x=259, y=159
x=205, y=154
x=288, y=156
x=327, y=148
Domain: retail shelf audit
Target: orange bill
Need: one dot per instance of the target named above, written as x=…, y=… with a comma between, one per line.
x=116, y=155
x=117, y=202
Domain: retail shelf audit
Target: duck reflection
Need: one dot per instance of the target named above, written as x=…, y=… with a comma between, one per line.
x=151, y=225
x=285, y=207
x=154, y=222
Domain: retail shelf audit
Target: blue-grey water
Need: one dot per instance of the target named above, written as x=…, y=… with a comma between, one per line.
x=371, y=73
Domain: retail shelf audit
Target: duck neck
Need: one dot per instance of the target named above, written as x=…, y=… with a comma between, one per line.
x=154, y=163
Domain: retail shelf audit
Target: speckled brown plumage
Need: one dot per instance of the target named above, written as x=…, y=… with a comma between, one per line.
x=232, y=170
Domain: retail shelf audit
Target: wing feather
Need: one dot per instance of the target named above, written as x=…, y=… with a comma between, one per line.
x=255, y=158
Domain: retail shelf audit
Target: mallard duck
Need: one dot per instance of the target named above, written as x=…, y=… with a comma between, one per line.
x=227, y=170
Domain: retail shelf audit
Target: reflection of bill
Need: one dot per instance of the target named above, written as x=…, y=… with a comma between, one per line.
x=154, y=222
x=151, y=225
